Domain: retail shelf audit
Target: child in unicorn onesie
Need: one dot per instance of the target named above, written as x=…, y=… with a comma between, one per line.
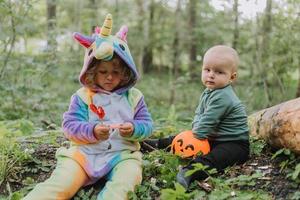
x=106, y=119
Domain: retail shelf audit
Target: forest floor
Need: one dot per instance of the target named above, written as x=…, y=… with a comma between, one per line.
x=273, y=179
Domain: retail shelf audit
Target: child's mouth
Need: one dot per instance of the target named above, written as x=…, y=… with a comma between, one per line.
x=210, y=82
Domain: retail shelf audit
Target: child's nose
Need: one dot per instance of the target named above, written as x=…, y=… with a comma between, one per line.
x=211, y=74
x=109, y=77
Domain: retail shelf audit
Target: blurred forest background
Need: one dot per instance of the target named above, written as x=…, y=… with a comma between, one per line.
x=40, y=62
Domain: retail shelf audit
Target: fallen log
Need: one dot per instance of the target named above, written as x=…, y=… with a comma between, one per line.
x=278, y=125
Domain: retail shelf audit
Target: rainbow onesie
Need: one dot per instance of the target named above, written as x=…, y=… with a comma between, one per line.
x=117, y=159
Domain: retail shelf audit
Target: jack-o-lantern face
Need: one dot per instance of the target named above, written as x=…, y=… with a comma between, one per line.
x=186, y=145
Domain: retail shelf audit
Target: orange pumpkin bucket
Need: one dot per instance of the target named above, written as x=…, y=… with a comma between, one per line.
x=186, y=145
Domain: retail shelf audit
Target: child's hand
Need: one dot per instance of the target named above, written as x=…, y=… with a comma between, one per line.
x=126, y=129
x=101, y=132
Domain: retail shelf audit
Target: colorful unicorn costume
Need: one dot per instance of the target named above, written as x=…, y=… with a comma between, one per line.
x=117, y=159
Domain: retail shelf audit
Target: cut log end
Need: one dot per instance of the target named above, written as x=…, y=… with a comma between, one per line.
x=278, y=125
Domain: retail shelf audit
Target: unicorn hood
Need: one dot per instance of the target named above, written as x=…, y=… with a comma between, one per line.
x=102, y=46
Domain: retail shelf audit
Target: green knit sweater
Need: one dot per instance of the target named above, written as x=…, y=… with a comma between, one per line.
x=220, y=116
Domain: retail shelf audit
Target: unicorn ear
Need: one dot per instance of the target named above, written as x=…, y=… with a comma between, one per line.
x=97, y=30
x=85, y=41
x=122, y=34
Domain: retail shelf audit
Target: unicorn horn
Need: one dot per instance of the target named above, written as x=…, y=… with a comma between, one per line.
x=107, y=26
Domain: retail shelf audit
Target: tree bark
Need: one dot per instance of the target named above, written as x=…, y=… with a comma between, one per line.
x=278, y=125
x=116, y=14
x=176, y=54
x=51, y=24
x=236, y=24
x=192, y=42
x=147, y=59
x=176, y=41
x=142, y=25
x=266, y=30
x=297, y=60
x=12, y=40
x=93, y=14
x=298, y=88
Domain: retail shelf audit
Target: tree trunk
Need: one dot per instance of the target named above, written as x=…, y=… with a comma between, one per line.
x=278, y=125
x=116, y=14
x=176, y=54
x=236, y=24
x=12, y=40
x=176, y=41
x=51, y=65
x=147, y=59
x=192, y=42
x=77, y=18
x=298, y=88
x=51, y=24
x=266, y=30
x=142, y=25
x=93, y=14
x=297, y=61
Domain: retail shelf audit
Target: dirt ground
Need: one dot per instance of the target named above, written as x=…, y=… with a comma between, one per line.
x=273, y=181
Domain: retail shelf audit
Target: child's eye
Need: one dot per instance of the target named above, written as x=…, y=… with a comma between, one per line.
x=219, y=72
x=102, y=72
x=207, y=70
x=116, y=72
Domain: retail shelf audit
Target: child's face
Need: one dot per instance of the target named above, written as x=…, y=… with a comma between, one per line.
x=108, y=75
x=217, y=71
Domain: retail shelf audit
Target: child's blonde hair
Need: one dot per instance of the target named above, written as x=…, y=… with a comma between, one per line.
x=127, y=74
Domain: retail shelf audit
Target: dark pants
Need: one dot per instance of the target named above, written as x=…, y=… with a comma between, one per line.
x=222, y=155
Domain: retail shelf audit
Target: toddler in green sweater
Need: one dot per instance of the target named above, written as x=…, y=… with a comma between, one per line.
x=220, y=117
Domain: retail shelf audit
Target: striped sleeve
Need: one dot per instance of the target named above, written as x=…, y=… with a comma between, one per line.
x=143, y=124
x=75, y=123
